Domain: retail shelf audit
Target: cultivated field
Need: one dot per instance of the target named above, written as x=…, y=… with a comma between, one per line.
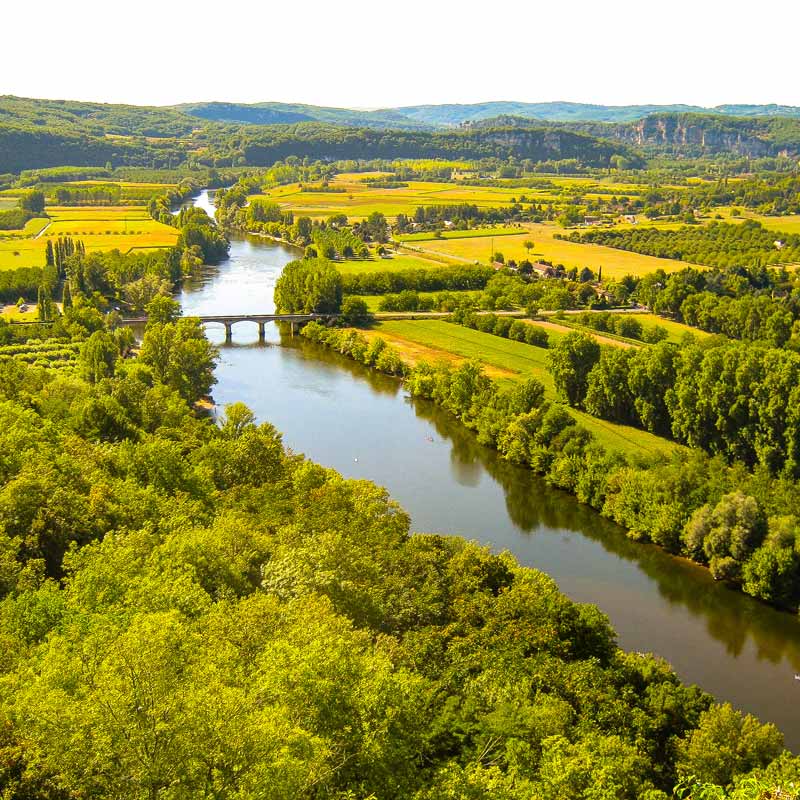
x=394, y=262
x=676, y=330
x=358, y=200
x=468, y=234
x=99, y=228
x=614, y=263
x=508, y=360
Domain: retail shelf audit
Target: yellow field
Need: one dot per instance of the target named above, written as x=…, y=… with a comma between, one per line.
x=676, y=330
x=359, y=201
x=11, y=313
x=100, y=229
x=394, y=262
x=615, y=263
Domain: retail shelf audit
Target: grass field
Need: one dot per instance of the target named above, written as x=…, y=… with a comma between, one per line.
x=469, y=234
x=373, y=300
x=513, y=360
x=676, y=330
x=558, y=328
x=391, y=263
x=360, y=200
x=100, y=229
x=32, y=227
x=787, y=224
x=11, y=313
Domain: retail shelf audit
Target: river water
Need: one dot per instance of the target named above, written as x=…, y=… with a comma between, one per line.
x=362, y=424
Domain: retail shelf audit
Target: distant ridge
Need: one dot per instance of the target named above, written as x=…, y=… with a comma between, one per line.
x=451, y=115
x=291, y=113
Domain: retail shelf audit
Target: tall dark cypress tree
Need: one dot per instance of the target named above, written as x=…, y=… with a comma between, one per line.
x=48, y=254
x=40, y=304
x=66, y=297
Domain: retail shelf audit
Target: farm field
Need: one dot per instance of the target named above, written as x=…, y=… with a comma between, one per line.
x=468, y=234
x=787, y=224
x=514, y=360
x=359, y=201
x=12, y=313
x=391, y=263
x=676, y=330
x=32, y=227
x=99, y=228
x=615, y=263
x=558, y=328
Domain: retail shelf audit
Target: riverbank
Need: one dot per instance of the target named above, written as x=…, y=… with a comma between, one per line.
x=537, y=435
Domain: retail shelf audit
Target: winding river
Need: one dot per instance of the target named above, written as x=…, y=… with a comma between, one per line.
x=362, y=424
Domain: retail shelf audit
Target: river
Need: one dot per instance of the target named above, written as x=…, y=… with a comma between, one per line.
x=363, y=424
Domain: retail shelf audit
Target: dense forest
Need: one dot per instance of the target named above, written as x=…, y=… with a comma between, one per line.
x=245, y=623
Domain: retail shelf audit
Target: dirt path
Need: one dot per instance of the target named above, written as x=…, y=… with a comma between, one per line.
x=43, y=230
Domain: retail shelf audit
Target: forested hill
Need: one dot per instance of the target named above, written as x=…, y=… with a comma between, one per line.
x=36, y=134
x=701, y=134
x=266, y=144
x=96, y=119
x=292, y=113
x=51, y=133
x=47, y=133
x=575, y=112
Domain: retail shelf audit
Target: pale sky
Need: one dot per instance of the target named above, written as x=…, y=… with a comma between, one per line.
x=380, y=53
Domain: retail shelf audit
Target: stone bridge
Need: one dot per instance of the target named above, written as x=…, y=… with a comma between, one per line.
x=229, y=320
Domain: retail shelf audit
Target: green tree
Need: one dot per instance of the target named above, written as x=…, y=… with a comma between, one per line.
x=309, y=285
x=33, y=201
x=354, y=310
x=181, y=357
x=726, y=743
x=571, y=360
x=162, y=310
x=98, y=356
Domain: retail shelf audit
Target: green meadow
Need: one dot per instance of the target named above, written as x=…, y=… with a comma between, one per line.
x=516, y=360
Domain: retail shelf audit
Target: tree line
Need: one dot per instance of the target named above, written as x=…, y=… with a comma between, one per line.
x=717, y=244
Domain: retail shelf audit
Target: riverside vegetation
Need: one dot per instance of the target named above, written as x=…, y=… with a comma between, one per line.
x=729, y=502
